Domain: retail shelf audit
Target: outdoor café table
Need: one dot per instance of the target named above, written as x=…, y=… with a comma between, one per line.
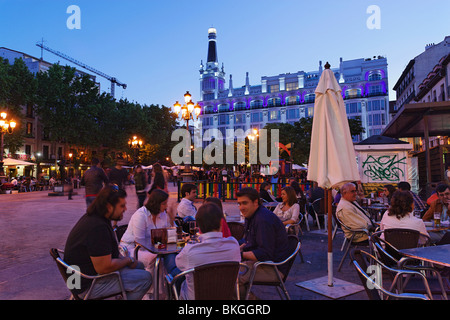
x=160, y=253
x=376, y=210
x=434, y=254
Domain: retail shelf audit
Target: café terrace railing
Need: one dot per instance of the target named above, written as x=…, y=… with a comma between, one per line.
x=228, y=190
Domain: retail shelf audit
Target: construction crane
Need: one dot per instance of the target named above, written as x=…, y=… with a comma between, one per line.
x=113, y=80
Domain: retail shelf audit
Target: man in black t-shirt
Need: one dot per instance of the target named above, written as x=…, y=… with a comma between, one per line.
x=118, y=174
x=92, y=247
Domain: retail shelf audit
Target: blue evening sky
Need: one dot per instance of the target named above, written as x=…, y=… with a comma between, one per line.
x=155, y=47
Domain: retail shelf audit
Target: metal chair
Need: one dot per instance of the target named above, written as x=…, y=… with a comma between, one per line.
x=349, y=242
x=294, y=247
x=317, y=207
x=120, y=231
x=213, y=281
x=66, y=270
x=391, y=257
x=295, y=229
x=237, y=229
x=373, y=285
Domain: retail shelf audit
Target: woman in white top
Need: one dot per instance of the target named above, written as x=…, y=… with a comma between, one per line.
x=400, y=214
x=150, y=216
x=289, y=210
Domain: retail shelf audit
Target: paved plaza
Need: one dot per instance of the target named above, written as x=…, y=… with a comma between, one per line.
x=32, y=223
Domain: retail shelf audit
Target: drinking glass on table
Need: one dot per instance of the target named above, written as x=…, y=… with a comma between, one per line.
x=437, y=219
x=193, y=229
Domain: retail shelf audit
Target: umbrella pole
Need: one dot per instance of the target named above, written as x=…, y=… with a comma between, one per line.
x=329, y=201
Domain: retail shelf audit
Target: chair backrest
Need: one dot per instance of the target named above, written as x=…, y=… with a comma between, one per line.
x=387, y=253
x=62, y=267
x=402, y=238
x=237, y=229
x=120, y=230
x=294, y=245
x=216, y=281
x=318, y=206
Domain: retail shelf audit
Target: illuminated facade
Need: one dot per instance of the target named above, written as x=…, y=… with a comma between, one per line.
x=288, y=97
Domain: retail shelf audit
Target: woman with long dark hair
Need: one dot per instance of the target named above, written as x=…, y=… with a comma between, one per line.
x=150, y=216
x=400, y=214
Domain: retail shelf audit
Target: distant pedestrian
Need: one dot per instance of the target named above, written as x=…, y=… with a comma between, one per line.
x=118, y=174
x=93, y=180
x=140, y=184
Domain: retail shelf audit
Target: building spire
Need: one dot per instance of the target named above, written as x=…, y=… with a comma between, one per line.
x=212, y=47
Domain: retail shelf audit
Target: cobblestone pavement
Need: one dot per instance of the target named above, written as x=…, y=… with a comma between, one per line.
x=32, y=223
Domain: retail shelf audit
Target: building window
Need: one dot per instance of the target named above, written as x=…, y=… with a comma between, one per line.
x=207, y=121
x=29, y=131
x=291, y=86
x=208, y=96
x=274, y=102
x=274, y=88
x=224, y=119
x=353, y=93
x=310, y=98
x=293, y=114
x=239, y=118
x=257, y=117
x=256, y=104
x=224, y=107
x=354, y=107
x=209, y=109
x=239, y=106
x=374, y=76
x=292, y=100
x=27, y=149
x=274, y=115
x=375, y=105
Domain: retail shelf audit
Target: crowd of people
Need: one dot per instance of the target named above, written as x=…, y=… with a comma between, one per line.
x=92, y=246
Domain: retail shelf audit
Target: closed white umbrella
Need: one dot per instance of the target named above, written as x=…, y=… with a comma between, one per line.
x=332, y=160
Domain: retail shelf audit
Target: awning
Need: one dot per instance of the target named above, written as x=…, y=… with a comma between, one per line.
x=413, y=119
x=16, y=162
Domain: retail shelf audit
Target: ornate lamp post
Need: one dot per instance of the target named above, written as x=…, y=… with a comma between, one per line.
x=189, y=111
x=6, y=126
x=135, y=144
x=252, y=136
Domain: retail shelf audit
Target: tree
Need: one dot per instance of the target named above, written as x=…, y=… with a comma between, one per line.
x=17, y=90
x=299, y=136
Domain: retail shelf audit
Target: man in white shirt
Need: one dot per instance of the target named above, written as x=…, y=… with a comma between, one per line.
x=351, y=214
x=212, y=247
x=186, y=207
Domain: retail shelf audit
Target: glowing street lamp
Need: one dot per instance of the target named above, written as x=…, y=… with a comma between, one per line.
x=6, y=126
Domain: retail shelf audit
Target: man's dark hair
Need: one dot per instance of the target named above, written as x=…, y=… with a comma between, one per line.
x=441, y=187
x=250, y=193
x=214, y=200
x=405, y=186
x=187, y=188
x=109, y=194
x=155, y=198
x=95, y=161
x=209, y=217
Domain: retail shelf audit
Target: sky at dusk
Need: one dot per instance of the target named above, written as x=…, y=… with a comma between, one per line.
x=155, y=47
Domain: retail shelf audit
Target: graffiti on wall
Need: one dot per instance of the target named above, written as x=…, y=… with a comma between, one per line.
x=384, y=168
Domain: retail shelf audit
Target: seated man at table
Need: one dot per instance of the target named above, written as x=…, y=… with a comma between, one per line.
x=418, y=203
x=442, y=205
x=186, y=208
x=212, y=247
x=92, y=246
x=352, y=215
x=265, y=237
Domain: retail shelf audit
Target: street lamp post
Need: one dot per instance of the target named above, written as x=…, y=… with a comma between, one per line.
x=189, y=111
x=135, y=144
x=6, y=126
x=252, y=136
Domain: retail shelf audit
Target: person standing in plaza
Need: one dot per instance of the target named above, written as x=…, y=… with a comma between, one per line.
x=140, y=184
x=93, y=180
x=118, y=174
x=92, y=247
